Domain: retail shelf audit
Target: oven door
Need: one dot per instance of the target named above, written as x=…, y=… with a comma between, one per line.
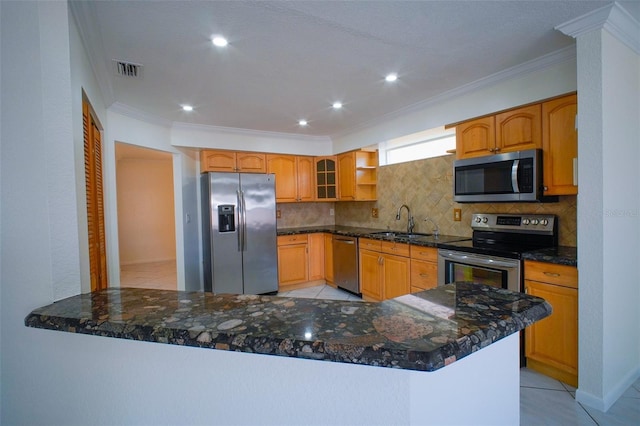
x=490, y=270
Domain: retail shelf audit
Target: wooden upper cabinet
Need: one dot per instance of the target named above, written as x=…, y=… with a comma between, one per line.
x=284, y=167
x=347, y=171
x=231, y=161
x=513, y=130
x=294, y=177
x=475, y=138
x=358, y=172
x=326, y=178
x=251, y=162
x=305, y=176
x=519, y=129
x=560, y=146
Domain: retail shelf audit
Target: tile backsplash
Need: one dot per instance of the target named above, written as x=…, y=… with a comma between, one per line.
x=426, y=187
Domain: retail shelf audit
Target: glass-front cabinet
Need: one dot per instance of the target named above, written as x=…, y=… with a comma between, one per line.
x=326, y=178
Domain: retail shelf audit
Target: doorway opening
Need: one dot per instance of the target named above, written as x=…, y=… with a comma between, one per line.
x=146, y=217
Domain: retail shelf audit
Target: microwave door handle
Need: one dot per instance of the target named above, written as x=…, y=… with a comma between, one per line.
x=514, y=176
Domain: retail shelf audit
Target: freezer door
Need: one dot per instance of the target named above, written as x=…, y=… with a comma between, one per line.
x=260, y=256
x=226, y=254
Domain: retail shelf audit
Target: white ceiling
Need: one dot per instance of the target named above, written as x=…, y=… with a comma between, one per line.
x=288, y=60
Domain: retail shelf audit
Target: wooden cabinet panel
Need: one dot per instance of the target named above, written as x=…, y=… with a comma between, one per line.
x=251, y=162
x=392, y=247
x=328, y=258
x=519, y=129
x=316, y=256
x=217, y=161
x=563, y=275
x=370, y=279
x=292, y=239
x=551, y=345
x=292, y=264
x=284, y=167
x=475, y=138
x=424, y=253
x=395, y=276
x=424, y=275
x=560, y=145
x=305, y=175
x=347, y=172
x=370, y=244
x=326, y=178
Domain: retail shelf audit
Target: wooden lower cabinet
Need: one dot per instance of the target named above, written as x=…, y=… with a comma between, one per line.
x=551, y=345
x=384, y=275
x=293, y=259
x=424, y=268
x=316, y=256
x=328, y=258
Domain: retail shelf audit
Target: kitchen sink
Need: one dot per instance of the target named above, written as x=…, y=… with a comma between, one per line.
x=412, y=236
x=384, y=234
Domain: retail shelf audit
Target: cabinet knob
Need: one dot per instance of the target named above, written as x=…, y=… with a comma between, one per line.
x=496, y=149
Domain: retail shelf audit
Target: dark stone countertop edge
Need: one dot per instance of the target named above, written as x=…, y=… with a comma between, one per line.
x=561, y=255
x=395, y=356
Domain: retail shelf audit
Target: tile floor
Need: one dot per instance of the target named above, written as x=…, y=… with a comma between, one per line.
x=543, y=401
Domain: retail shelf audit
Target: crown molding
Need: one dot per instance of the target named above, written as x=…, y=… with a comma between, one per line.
x=520, y=70
x=614, y=18
x=249, y=132
x=91, y=39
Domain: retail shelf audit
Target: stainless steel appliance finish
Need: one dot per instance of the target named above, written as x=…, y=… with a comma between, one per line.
x=239, y=241
x=509, y=177
x=493, y=255
x=345, y=263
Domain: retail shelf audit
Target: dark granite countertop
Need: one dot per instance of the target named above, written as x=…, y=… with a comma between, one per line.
x=562, y=255
x=424, y=331
x=422, y=240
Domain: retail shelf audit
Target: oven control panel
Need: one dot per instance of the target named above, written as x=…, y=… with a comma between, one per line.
x=511, y=222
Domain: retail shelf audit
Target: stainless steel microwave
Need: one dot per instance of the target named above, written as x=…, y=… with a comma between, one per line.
x=509, y=177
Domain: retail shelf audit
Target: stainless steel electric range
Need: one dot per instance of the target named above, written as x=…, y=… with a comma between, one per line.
x=493, y=255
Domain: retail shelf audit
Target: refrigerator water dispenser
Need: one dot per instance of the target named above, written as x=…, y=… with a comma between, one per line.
x=226, y=218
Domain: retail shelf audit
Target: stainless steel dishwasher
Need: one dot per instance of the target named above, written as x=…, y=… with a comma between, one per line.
x=345, y=263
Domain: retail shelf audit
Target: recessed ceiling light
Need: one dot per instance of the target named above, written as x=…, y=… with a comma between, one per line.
x=337, y=105
x=187, y=108
x=391, y=77
x=303, y=122
x=219, y=41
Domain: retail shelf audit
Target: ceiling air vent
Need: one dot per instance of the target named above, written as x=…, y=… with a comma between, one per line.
x=128, y=69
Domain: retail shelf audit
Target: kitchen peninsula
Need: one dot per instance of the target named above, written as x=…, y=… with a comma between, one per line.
x=458, y=333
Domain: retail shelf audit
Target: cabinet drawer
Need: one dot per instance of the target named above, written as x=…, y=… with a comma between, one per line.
x=391, y=247
x=369, y=244
x=552, y=273
x=285, y=240
x=424, y=253
x=424, y=274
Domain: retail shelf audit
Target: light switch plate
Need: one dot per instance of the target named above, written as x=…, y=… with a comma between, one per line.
x=278, y=214
x=374, y=212
x=457, y=215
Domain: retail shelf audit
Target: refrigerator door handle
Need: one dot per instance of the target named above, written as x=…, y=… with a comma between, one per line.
x=243, y=222
x=239, y=227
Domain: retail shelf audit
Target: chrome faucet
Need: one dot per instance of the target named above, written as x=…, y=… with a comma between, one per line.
x=410, y=222
x=436, y=231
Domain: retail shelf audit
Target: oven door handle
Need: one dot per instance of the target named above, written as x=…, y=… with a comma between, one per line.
x=480, y=260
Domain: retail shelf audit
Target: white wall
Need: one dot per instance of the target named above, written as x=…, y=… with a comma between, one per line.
x=608, y=217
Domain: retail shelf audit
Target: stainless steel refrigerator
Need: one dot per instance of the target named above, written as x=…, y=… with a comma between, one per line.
x=239, y=242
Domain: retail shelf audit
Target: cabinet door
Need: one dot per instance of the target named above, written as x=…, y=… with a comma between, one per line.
x=370, y=279
x=396, y=270
x=305, y=176
x=475, y=138
x=347, y=172
x=424, y=275
x=217, y=161
x=316, y=256
x=519, y=129
x=326, y=178
x=251, y=162
x=551, y=345
x=560, y=146
x=292, y=264
x=284, y=167
x=328, y=258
